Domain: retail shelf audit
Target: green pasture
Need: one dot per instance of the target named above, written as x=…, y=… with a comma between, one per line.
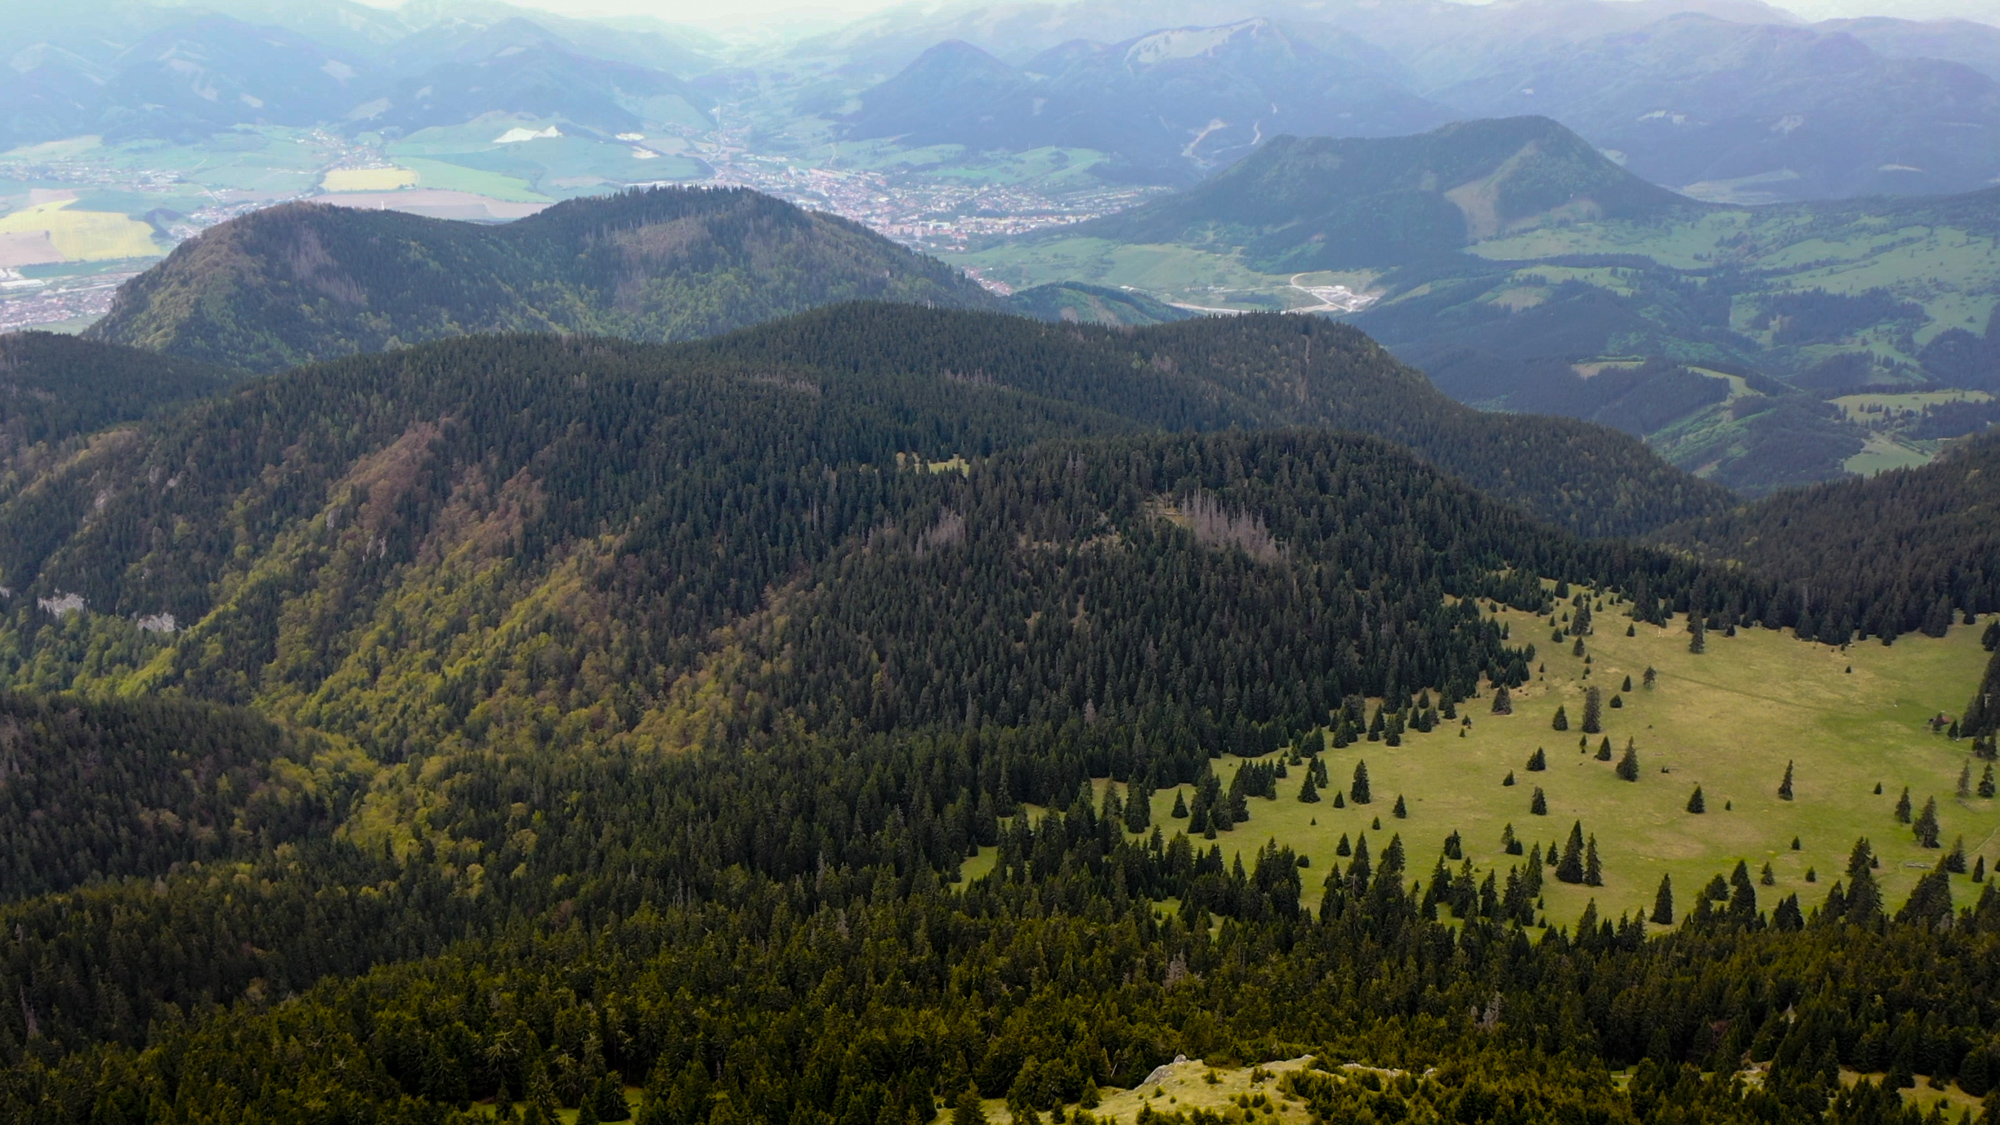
x=1727, y=720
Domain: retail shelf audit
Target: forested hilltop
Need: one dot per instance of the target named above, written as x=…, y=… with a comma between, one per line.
x=770, y=729
x=300, y=282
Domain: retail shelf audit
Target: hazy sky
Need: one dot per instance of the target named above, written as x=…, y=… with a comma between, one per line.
x=819, y=11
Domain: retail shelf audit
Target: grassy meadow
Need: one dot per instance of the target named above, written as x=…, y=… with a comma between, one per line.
x=1727, y=720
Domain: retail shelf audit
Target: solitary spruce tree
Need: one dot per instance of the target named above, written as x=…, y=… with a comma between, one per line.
x=1401, y=811
x=1539, y=806
x=1698, y=641
x=1359, y=790
x=1180, y=805
x=1569, y=869
x=1593, y=871
x=1903, y=807
x=1308, y=792
x=1986, y=787
x=1604, y=749
x=1651, y=677
x=1593, y=711
x=1628, y=684
x=1561, y=721
x=1538, y=761
x=1695, y=802
x=1965, y=781
x=1663, y=902
x=1503, y=703
x=1628, y=766
x=1785, y=786
x=1926, y=827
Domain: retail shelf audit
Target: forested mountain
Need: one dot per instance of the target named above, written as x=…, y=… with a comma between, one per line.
x=1325, y=203
x=1900, y=550
x=601, y=482
x=54, y=387
x=300, y=282
x=1256, y=371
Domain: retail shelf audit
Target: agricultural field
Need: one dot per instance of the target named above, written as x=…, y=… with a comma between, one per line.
x=367, y=179
x=1728, y=721
x=72, y=234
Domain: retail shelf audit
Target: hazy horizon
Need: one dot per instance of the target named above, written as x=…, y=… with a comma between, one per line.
x=836, y=11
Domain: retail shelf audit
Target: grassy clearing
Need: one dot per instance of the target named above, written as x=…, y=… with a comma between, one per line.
x=1881, y=452
x=1192, y=1084
x=1866, y=408
x=1728, y=720
x=1182, y=274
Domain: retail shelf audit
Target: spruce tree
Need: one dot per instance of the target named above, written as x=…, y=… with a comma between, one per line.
x=1339, y=799
x=1986, y=787
x=1628, y=684
x=1401, y=811
x=1343, y=848
x=1651, y=677
x=968, y=1110
x=1139, y=808
x=1903, y=807
x=1979, y=869
x=1593, y=712
x=1359, y=791
x=1509, y=779
x=1180, y=806
x=1663, y=903
x=1593, y=871
x=1508, y=843
x=1698, y=641
x=1539, y=805
x=1954, y=860
x=1503, y=703
x=1604, y=749
x=1628, y=766
x=1696, y=804
x=1569, y=869
x=1454, y=846
x=1561, y=721
x=1785, y=786
x=1926, y=827
x=1965, y=781
x=1768, y=877
x=1309, y=792
x=1538, y=761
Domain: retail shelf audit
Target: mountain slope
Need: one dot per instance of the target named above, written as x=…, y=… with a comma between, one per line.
x=54, y=387
x=1895, y=553
x=301, y=282
x=431, y=547
x=1321, y=203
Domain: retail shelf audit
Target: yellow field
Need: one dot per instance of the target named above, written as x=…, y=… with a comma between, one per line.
x=84, y=236
x=368, y=179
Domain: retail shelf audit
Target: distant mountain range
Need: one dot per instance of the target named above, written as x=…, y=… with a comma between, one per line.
x=183, y=74
x=1169, y=104
x=1728, y=101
